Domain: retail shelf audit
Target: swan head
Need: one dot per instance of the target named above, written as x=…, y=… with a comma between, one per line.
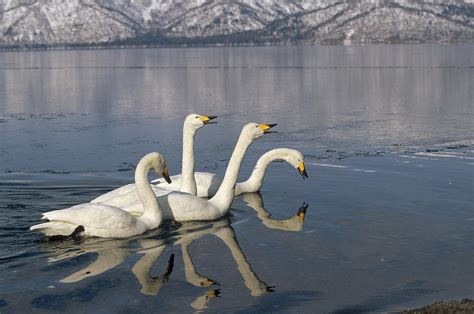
x=158, y=164
x=196, y=121
x=296, y=159
x=255, y=130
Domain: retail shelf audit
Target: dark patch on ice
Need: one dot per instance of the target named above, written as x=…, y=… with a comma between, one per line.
x=126, y=166
x=212, y=167
x=340, y=155
x=3, y=303
x=46, y=116
x=54, y=171
x=370, y=154
x=50, y=116
x=457, y=146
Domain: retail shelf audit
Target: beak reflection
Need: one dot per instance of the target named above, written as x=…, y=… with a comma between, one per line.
x=302, y=212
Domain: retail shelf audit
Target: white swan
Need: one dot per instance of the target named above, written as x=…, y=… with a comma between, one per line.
x=208, y=183
x=107, y=221
x=185, y=207
x=127, y=193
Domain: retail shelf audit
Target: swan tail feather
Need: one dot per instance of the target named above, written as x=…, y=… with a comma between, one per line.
x=52, y=228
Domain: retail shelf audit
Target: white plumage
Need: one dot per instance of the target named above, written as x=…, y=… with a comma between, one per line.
x=108, y=221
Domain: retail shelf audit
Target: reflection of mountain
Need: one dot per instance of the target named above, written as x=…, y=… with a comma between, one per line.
x=81, y=22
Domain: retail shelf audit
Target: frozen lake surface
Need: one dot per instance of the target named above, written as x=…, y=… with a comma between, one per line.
x=387, y=134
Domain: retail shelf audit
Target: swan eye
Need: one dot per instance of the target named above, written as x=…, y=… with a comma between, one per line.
x=197, y=117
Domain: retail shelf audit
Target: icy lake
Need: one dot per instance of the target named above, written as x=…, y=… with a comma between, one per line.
x=387, y=134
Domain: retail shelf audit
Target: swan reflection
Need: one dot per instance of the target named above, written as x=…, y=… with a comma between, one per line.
x=201, y=302
x=152, y=285
x=113, y=252
x=294, y=223
x=191, y=274
x=106, y=259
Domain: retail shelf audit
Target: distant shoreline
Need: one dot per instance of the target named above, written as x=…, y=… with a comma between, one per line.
x=111, y=46
x=205, y=45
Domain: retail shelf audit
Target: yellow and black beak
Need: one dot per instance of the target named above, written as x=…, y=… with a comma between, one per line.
x=266, y=127
x=302, y=212
x=302, y=170
x=165, y=175
x=207, y=119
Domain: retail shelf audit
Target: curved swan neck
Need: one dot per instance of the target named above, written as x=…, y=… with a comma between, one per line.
x=188, y=183
x=225, y=193
x=151, y=209
x=255, y=181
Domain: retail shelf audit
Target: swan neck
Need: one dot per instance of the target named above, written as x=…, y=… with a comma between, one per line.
x=188, y=183
x=152, y=214
x=255, y=181
x=225, y=193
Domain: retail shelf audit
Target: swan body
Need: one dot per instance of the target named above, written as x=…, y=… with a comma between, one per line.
x=181, y=206
x=108, y=221
x=126, y=194
x=208, y=183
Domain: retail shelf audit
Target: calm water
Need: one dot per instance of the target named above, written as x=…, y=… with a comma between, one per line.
x=387, y=135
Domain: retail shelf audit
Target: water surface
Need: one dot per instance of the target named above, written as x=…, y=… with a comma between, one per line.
x=387, y=136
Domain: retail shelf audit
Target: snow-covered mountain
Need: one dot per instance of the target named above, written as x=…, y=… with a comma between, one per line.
x=102, y=22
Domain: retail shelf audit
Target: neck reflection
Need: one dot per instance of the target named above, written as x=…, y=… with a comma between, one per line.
x=112, y=253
